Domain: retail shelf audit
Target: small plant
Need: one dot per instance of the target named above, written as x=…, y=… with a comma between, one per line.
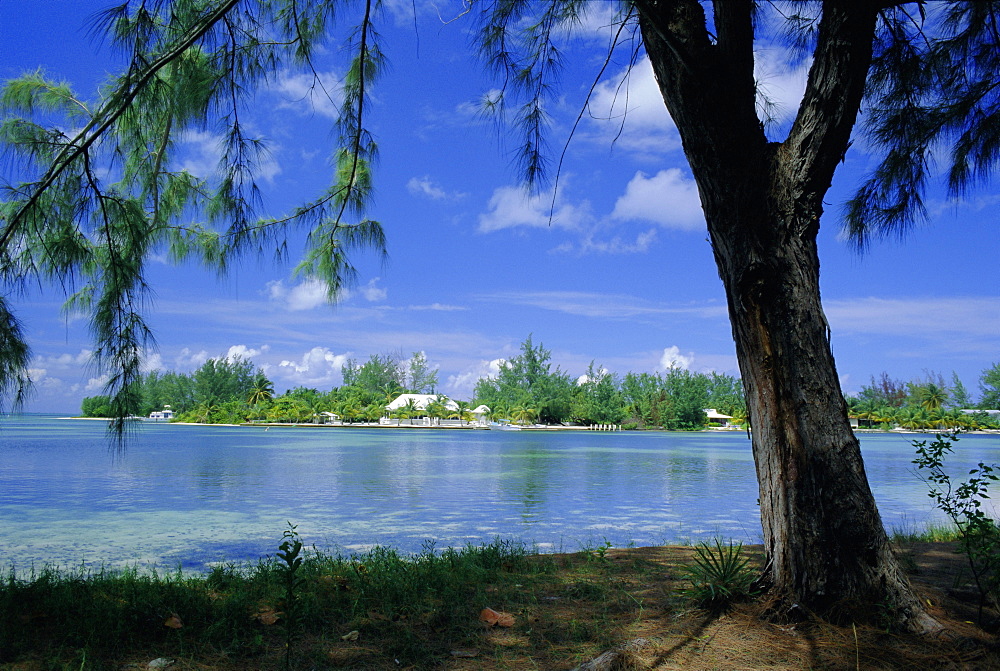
x=290, y=553
x=599, y=553
x=721, y=575
x=978, y=533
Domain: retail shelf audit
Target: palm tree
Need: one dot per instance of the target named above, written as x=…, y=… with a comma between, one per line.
x=262, y=390
x=437, y=408
x=932, y=396
x=523, y=414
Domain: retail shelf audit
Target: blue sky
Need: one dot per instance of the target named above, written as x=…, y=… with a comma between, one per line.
x=623, y=275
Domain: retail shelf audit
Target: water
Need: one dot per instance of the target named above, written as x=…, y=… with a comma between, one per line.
x=191, y=496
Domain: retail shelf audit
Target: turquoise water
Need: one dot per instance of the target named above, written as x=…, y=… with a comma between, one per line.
x=193, y=496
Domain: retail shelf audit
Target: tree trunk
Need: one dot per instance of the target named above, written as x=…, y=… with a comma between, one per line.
x=827, y=550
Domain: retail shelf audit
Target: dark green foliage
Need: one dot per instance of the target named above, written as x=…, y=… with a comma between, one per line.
x=220, y=390
x=978, y=533
x=95, y=406
x=526, y=385
x=989, y=387
x=721, y=575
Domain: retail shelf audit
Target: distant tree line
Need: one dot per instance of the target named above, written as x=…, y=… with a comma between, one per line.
x=526, y=389
x=217, y=387
x=930, y=402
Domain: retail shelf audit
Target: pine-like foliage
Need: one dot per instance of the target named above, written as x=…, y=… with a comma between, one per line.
x=99, y=190
x=933, y=99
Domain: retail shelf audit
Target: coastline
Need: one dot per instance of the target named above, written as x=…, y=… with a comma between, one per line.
x=530, y=427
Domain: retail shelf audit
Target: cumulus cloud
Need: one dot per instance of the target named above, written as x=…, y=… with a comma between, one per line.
x=311, y=294
x=190, y=359
x=318, y=365
x=304, y=296
x=462, y=385
x=512, y=207
x=668, y=198
x=244, y=352
x=628, y=110
x=96, y=384
x=672, y=359
x=152, y=362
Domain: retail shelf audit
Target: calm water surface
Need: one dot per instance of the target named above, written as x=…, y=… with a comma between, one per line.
x=192, y=496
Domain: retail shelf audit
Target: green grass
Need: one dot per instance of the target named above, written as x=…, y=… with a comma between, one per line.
x=931, y=533
x=235, y=610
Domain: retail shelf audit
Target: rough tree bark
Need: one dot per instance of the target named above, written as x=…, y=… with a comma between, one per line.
x=827, y=549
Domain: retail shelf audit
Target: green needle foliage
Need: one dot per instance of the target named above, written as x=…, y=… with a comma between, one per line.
x=98, y=188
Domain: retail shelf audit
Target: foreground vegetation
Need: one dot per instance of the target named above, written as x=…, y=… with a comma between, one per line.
x=380, y=610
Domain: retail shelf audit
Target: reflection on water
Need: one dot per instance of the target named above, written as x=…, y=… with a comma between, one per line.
x=197, y=495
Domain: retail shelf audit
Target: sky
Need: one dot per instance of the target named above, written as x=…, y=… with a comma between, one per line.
x=621, y=275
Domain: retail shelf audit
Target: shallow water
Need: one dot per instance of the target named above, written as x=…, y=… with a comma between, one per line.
x=191, y=496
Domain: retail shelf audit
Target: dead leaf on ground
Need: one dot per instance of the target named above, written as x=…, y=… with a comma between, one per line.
x=267, y=616
x=496, y=618
x=352, y=636
x=174, y=621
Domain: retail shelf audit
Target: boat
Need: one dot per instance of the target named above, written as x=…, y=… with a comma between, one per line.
x=503, y=425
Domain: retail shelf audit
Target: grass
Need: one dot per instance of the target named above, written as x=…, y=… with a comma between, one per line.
x=931, y=533
x=382, y=610
x=418, y=608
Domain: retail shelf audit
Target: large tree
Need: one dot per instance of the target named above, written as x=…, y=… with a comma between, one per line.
x=930, y=79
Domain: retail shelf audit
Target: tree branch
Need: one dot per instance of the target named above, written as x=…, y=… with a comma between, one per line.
x=108, y=115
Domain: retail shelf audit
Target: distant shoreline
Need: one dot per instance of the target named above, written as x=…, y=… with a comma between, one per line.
x=376, y=425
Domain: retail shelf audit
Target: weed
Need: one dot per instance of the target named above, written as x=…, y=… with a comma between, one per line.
x=598, y=553
x=720, y=575
x=290, y=553
x=979, y=535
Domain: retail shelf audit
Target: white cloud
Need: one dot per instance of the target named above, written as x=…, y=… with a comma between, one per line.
x=673, y=359
x=668, y=198
x=97, y=384
x=152, y=362
x=613, y=245
x=201, y=152
x=311, y=294
x=512, y=206
x=307, y=93
x=628, y=110
x=438, y=307
x=188, y=359
x=82, y=358
x=424, y=186
x=317, y=366
x=779, y=82
x=303, y=296
x=370, y=292
x=244, y=352
x=463, y=384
